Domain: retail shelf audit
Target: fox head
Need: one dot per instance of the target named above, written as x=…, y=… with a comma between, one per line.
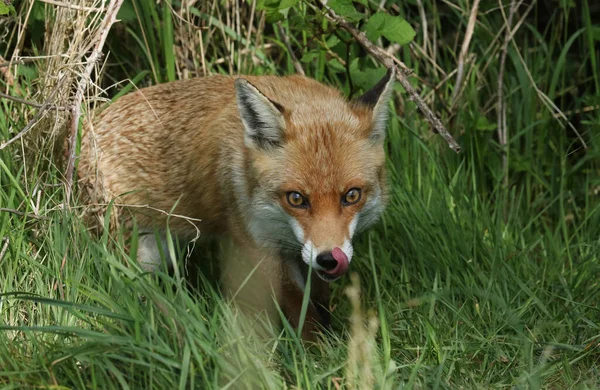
x=314, y=167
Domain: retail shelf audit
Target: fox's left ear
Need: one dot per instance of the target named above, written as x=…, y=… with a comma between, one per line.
x=377, y=98
x=262, y=118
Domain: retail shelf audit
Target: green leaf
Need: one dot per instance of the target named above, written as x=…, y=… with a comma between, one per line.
x=345, y=9
x=374, y=26
x=367, y=77
x=275, y=5
x=5, y=9
x=332, y=41
x=335, y=65
x=394, y=28
x=274, y=16
x=309, y=57
x=298, y=23
x=29, y=72
x=277, y=10
x=287, y=3
x=483, y=124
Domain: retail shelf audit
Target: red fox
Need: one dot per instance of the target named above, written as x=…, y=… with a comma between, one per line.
x=285, y=167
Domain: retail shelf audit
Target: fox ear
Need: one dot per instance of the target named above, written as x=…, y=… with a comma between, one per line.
x=262, y=118
x=377, y=98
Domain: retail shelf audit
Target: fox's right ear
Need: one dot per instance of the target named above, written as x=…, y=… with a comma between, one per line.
x=262, y=118
x=377, y=98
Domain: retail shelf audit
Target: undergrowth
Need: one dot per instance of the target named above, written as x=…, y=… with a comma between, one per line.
x=484, y=271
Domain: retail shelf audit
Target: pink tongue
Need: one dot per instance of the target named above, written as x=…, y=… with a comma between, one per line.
x=342, y=263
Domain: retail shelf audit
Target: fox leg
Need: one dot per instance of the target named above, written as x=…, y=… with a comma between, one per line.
x=317, y=312
x=250, y=278
x=253, y=278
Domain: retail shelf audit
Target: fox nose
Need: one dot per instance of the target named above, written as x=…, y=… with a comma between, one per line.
x=327, y=261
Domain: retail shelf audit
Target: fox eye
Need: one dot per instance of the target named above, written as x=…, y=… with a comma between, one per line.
x=296, y=199
x=351, y=197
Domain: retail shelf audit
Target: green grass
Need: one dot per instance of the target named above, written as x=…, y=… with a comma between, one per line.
x=475, y=284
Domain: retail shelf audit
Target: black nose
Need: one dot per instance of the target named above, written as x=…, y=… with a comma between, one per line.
x=327, y=261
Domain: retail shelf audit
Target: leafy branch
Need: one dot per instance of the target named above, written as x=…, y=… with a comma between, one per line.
x=343, y=14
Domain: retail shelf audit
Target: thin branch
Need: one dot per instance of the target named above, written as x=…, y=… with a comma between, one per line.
x=189, y=220
x=288, y=45
x=464, y=50
x=402, y=75
x=577, y=111
x=43, y=109
x=30, y=103
x=109, y=18
x=17, y=62
x=22, y=214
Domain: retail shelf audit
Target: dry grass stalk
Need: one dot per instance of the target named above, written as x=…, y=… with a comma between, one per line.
x=196, y=45
x=362, y=349
x=30, y=103
x=71, y=6
x=464, y=51
x=423, y=26
x=74, y=36
x=502, y=130
x=44, y=108
x=6, y=242
x=67, y=40
x=98, y=40
x=65, y=45
x=189, y=38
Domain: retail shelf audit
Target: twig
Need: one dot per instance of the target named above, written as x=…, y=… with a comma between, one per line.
x=464, y=50
x=109, y=18
x=223, y=60
x=502, y=132
x=577, y=111
x=190, y=220
x=288, y=45
x=43, y=109
x=25, y=60
x=384, y=58
x=16, y=62
x=22, y=214
x=6, y=241
x=71, y=6
x=30, y=103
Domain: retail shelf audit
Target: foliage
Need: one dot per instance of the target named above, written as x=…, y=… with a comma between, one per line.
x=481, y=275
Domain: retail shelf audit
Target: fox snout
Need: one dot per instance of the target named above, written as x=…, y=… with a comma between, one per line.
x=330, y=264
x=334, y=263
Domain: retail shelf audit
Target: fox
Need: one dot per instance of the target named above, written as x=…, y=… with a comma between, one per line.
x=284, y=167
